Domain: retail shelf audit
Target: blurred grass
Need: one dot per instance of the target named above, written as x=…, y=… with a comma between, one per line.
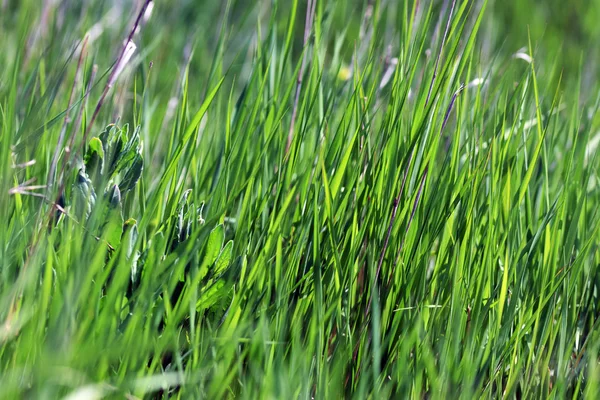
x=432, y=230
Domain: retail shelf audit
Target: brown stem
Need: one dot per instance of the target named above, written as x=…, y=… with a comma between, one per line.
x=112, y=76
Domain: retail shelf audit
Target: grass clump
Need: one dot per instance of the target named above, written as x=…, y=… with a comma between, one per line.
x=289, y=199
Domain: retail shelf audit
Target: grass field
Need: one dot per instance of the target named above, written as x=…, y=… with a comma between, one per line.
x=289, y=199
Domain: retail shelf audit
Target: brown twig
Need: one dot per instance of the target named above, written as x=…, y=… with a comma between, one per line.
x=116, y=69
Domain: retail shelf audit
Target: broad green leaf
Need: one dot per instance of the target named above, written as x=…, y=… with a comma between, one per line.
x=84, y=195
x=112, y=231
x=130, y=236
x=213, y=245
x=132, y=175
x=94, y=159
x=209, y=297
x=224, y=259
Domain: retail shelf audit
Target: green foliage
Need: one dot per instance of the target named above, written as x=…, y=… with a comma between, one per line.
x=112, y=167
x=366, y=199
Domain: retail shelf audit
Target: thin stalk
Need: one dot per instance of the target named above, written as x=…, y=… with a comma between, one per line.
x=117, y=69
x=437, y=61
x=66, y=121
x=310, y=14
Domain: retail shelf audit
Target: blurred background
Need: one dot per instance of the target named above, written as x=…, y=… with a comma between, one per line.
x=183, y=25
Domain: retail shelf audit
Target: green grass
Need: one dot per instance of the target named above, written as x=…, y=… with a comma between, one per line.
x=361, y=199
